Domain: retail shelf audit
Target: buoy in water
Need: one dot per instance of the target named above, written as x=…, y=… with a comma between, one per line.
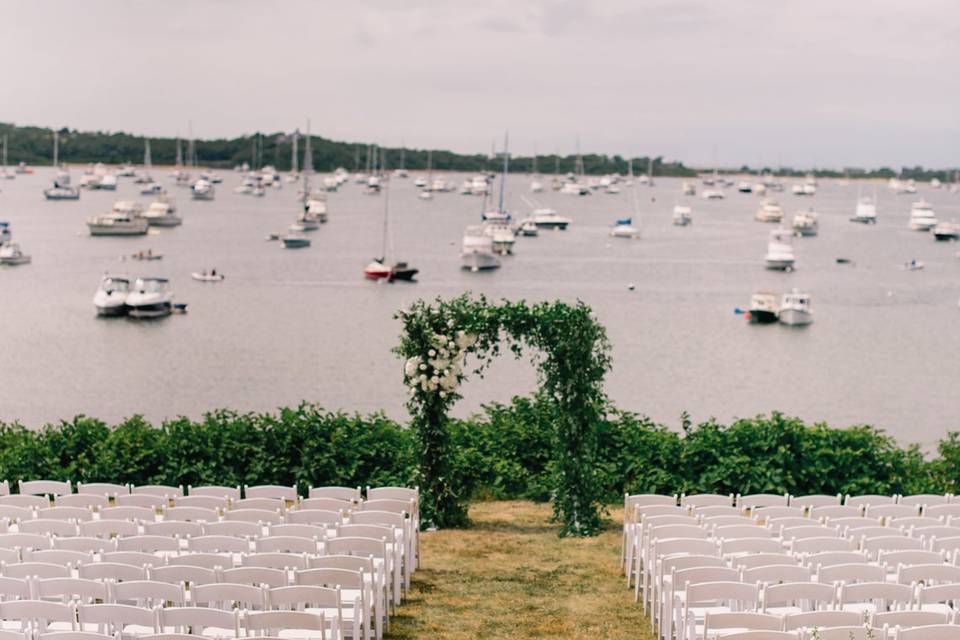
x=631, y=287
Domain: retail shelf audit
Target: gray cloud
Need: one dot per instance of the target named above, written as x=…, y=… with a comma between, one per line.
x=861, y=82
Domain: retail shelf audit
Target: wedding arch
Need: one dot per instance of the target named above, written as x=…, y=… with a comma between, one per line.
x=571, y=352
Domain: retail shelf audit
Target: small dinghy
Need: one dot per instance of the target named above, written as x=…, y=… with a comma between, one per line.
x=146, y=255
x=844, y=261
x=914, y=265
x=207, y=277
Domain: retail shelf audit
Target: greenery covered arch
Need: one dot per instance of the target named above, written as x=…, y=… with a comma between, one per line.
x=572, y=355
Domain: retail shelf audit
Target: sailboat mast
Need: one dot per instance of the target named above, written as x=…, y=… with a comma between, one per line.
x=402, y=150
x=179, y=160
x=4, y=151
x=147, y=160
x=506, y=167
x=56, y=148
x=430, y=168
x=293, y=152
x=650, y=170
x=386, y=203
x=534, y=159
x=307, y=164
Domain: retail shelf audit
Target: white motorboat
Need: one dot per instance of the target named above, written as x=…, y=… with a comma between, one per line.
x=769, y=211
x=502, y=235
x=127, y=171
x=549, y=219
x=162, y=213
x=744, y=187
x=479, y=186
x=763, y=308
x=126, y=219
x=795, y=309
x=536, y=186
x=712, y=194
x=780, y=256
x=150, y=298
x=476, y=253
x=62, y=193
x=11, y=254
x=935, y=183
x=202, y=190
x=420, y=182
x=528, y=228
x=689, y=189
x=624, y=228
x=108, y=182
x=5, y=235
x=611, y=189
x=682, y=215
x=317, y=208
x=922, y=217
x=759, y=189
x=866, y=212
x=575, y=189
x=945, y=231
x=425, y=194
x=203, y=276
x=111, y=296
x=805, y=223
x=441, y=185
x=152, y=189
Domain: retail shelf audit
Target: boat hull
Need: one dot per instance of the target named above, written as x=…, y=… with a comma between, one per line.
x=780, y=264
x=100, y=230
x=154, y=310
x=295, y=244
x=112, y=311
x=165, y=221
x=762, y=316
x=795, y=317
x=475, y=261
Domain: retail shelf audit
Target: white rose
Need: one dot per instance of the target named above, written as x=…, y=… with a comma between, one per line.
x=410, y=367
x=432, y=352
x=423, y=367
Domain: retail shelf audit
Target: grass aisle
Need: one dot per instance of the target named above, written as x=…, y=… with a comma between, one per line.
x=511, y=576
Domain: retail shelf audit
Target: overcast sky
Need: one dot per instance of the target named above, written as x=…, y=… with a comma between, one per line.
x=824, y=82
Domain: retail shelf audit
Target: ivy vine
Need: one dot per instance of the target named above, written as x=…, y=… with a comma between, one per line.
x=571, y=352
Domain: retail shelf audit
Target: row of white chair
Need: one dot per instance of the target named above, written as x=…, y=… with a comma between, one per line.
x=128, y=621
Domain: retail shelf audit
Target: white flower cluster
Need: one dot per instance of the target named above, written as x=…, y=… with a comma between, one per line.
x=440, y=369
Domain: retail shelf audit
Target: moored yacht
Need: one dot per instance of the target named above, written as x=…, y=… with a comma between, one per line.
x=780, y=254
x=866, y=212
x=502, y=235
x=805, y=223
x=125, y=219
x=769, y=211
x=295, y=240
x=5, y=234
x=624, y=228
x=62, y=189
x=945, y=231
x=549, y=219
x=150, y=298
x=11, y=254
x=689, y=189
x=162, y=213
x=922, y=217
x=763, y=308
x=111, y=296
x=795, y=309
x=476, y=251
x=202, y=190
x=682, y=215
x=712, y=194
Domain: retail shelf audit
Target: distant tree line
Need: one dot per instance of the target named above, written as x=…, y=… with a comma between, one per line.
x=34, y=145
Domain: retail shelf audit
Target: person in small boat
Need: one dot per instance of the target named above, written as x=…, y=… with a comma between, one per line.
x=213, y=273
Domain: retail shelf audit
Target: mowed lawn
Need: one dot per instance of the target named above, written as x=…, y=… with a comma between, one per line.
x=511, y=576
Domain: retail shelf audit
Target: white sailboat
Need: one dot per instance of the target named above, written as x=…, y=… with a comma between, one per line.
x=426, y=191
x=378, y=269
x=501, y=214
x=294, y=173
x=61, y=188
x=5, y=172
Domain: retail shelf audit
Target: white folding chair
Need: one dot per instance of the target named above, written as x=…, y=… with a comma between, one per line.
x=108, y=528
x=274, y=492
x=822, y=619
x=82, y=500
x=757, y=500
x=351, y=494
x=908, y=618
x=723, y=624
x=797, y=597
x=65, y=513
x=203, y=560
x=287, y=544
x=35, y=570
x=218, y=544
x=773, y=574
x=836, y=511
x=229, y=596
x=868, y=500
x=924, y=499
x=40, y=615
x=143, y=500
x=815, y=500
x=111, y=571
x=275, y=622
x=706, y=500
x=217, y=503
x=149, y=593
x=180, y=574
x=173, y=528
x=673, y=609
x=213, y=490
x=360, y=581
x=870, y=597
x=256, y=576
x=191, y=514
x=45, y=527
x=45, y=487
x=275, y=560
x=714, y=597
x=327, y=601
x=104, y=489
x=134, y=514
x=164, y=491
x=929, y=632
x=266, y=504
x=261, y=516
x=85, y=544
x=202, y=621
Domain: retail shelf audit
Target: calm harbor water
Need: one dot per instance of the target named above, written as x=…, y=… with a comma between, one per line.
x=292, y=325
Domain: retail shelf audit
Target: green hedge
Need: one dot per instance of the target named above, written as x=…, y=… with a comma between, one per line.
x=503, y=452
